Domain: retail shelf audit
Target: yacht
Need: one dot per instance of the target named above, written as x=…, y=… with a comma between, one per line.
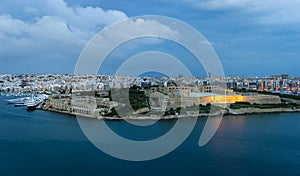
x=36, y=101
x=20, y=104
x=32, y=104
x=18, y=100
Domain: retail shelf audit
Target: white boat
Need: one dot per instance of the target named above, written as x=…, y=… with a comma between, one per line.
x=17, y=100
x=36, y=101
x=20, y=104
x=32, y=104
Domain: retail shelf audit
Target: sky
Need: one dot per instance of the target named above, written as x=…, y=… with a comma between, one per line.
x=250, y=37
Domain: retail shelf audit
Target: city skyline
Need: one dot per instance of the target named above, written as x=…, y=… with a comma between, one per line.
x=158, y=75
x=251, y=38
x=279, y=82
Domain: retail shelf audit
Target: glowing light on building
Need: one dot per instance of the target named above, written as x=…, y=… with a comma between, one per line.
x=223, y=99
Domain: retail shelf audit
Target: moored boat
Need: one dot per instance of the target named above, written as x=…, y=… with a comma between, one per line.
x=20, y=104
x=31, y=104
x=17, y=100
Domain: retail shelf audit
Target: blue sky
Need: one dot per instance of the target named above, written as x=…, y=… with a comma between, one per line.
x=251, y=37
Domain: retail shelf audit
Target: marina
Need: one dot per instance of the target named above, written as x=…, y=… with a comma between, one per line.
x=31, y=102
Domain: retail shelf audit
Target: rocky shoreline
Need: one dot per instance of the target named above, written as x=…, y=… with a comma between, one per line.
x=246, y=111
x=242, y=111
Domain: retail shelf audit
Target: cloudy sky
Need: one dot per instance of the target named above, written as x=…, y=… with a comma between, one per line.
x=251, y=37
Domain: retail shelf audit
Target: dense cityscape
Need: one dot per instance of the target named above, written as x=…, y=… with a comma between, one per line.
x=104, y=96
x=57, y=83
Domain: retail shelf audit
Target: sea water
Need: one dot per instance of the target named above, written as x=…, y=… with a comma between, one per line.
x=46, y=143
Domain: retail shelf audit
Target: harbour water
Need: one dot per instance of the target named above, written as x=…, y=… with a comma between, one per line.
x=46, y=143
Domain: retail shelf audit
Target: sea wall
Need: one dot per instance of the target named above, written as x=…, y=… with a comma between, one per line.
x=263, y=99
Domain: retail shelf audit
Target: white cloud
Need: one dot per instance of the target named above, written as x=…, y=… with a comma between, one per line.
x=124, y=32
x=279, y=12
x=48, y=31
x=265, y=11
x=31, y=10
x=223, y=4
x=52, y=27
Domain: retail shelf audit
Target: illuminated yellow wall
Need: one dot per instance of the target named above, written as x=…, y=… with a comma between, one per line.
x=223, y=99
